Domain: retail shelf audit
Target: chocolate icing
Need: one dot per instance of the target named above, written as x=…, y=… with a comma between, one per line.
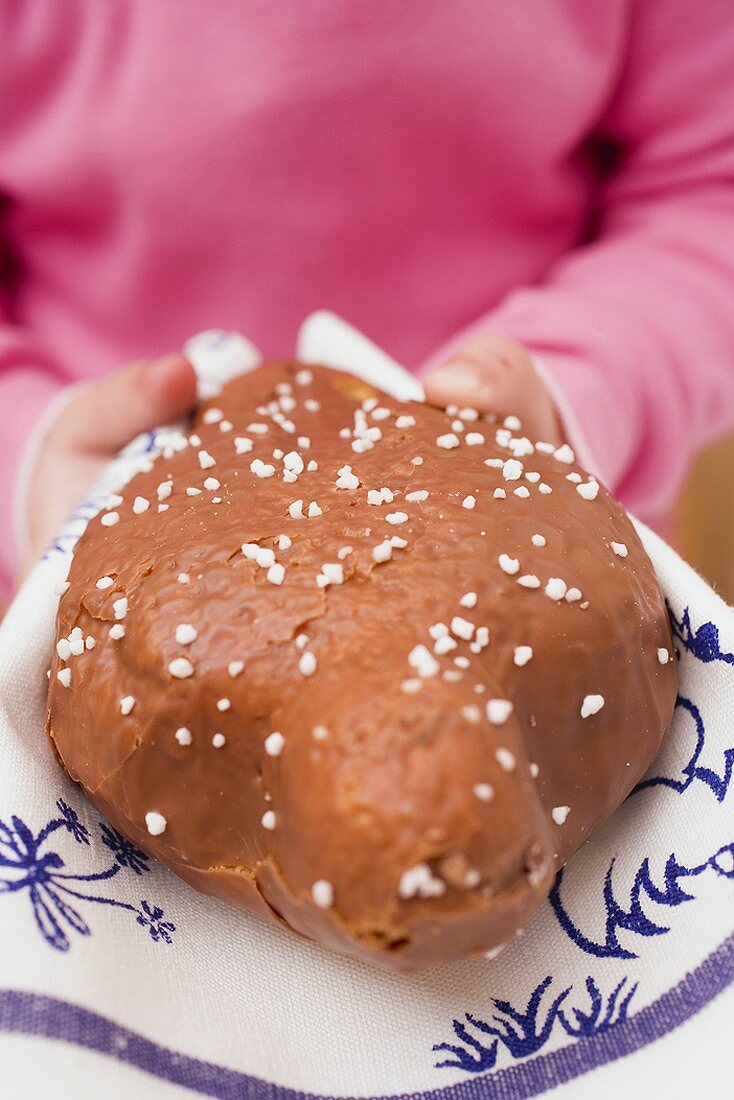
x=392, y=819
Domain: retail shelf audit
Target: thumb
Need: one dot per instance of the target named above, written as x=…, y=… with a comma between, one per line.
x=489, y=373
x=107, y=415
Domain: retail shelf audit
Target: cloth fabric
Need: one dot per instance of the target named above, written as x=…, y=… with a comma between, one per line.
x=164, y=168
x=117, y=979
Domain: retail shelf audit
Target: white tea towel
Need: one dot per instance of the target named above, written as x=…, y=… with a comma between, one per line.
x=117, y=979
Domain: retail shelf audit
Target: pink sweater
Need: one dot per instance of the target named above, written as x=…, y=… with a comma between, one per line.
x=559, y=171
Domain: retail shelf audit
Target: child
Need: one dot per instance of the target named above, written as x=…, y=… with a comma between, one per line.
x=557, y=171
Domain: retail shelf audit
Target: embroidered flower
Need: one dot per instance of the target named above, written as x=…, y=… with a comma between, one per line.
x=54, y=892
x=72, y=823
x=124, y=851
x=150, y=918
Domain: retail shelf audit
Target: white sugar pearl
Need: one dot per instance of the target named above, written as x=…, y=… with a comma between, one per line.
x=508, y=565
x=505, y=759
x=140, y=505
x=322, y=893
x=484, y=792
x=560, y=813
x=592, y=704
x=346, y=479
x=498, y=711
x=180, y=668
x=448, y=442
x=619, y=549
x=186, y=634
x=276, y=573
x=423, y=662
x=589, y=490
x=307, y=664
x=126, y=704
x=109, y=519
x=462, y=628
x=219, y=740
x=529, y=580
x=183, y=736
x=523, y=654
x=274, y=743
x=268, y=820
x=155, y=823
x=512, y=469
x=555, y=589
x=663, y=656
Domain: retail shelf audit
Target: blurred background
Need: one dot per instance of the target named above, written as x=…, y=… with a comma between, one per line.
x=703, y=523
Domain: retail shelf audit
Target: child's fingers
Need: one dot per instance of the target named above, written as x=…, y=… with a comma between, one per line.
x=109, y=414
x=489, y=373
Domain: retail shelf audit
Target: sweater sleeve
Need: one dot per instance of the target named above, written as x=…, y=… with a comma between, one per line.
x=636, y=328
x=30, y=380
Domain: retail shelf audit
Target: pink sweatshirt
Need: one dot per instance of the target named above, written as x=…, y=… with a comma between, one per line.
x=557, y=170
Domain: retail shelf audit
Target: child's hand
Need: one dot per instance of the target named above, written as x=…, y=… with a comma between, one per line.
x=90, y=431
x=495, y=374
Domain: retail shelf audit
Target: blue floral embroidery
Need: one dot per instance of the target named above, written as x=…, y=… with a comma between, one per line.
x=631, y=917
x=124, y=851
x=25, y=868
x=702, y=643
x=692, y=771
x=150, y=918
x=525, y=1031
x=70, y=821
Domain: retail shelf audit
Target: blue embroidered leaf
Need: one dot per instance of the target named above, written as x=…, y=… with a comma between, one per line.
x=68, y=912
x=48, y=925
x=631, y=916
x=527, y=1036
x=517, y=1030
x=475, y=1060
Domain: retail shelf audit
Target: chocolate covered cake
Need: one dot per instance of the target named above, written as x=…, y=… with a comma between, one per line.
x=372, y=669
